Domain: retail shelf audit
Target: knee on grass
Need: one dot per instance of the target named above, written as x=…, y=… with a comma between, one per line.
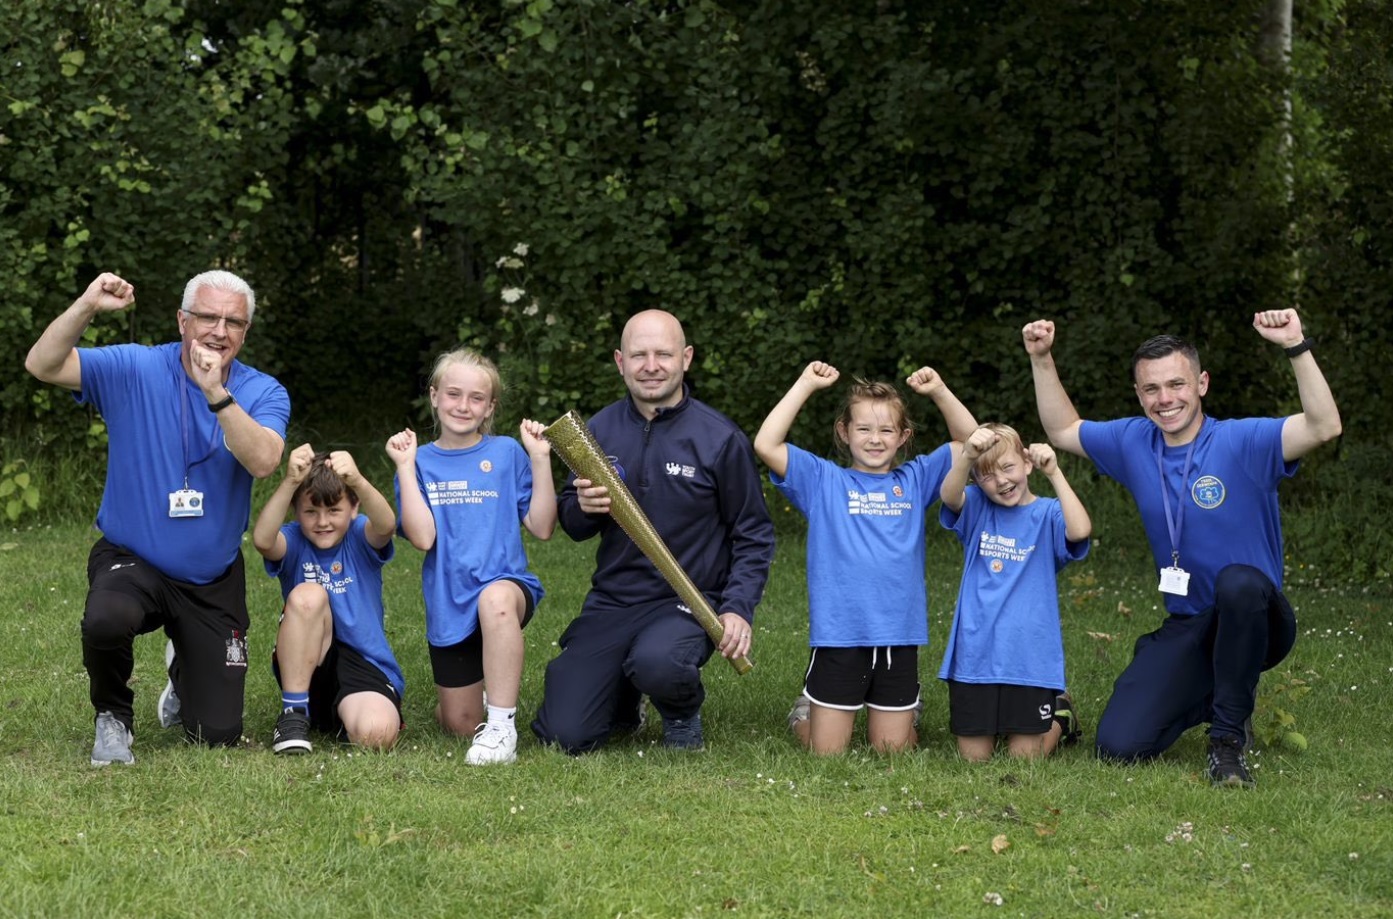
x=200, y=732
x=379, y=737
x=459, y=722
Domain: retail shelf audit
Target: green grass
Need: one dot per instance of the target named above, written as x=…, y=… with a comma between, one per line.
x=751, y=826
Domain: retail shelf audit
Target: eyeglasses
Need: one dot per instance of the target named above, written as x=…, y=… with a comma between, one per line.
x=208, y=321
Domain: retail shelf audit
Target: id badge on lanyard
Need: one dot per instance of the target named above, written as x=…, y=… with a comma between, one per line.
x=1174, y=580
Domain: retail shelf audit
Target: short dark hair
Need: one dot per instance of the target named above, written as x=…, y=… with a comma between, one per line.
x=323, y=486
x=1163, y=346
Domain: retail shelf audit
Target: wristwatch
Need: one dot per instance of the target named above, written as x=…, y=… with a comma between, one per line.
x=1300, y=347
x=216, y=407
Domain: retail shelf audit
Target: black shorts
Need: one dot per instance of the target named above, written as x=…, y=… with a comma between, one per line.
x=993, y=709
x=343, y=672
x=885, y=678
x=462, y=664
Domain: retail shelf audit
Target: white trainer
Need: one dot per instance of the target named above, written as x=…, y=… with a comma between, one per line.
x=494, y=745
x=169, y=699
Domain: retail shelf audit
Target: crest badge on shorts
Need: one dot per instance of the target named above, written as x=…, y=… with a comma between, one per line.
x=237, y=650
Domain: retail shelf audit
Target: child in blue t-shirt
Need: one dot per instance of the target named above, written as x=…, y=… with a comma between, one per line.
x=867, y=600
x=332, y=660
x=1004, y=660
x=461, y=499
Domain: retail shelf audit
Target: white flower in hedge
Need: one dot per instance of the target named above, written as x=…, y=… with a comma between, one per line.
x=512, y=294
x=520, y=249
x=530, y=309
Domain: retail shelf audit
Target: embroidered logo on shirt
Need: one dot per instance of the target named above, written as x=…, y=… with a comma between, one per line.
x=1208, y=492
x=686, y=472
x=485, y=466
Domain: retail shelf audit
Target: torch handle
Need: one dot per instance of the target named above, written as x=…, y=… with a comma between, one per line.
x=581, y=453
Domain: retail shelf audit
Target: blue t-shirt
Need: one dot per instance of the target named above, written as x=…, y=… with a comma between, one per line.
x=479, y=497
x=1225, y=508
x=351, y=573
x=1006, y=625
x=865, y=547
x=159, y=432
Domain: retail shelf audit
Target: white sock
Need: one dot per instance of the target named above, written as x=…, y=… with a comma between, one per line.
x=502, y=717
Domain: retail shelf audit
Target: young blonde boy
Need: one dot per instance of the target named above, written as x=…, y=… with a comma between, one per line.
x=1004, y=660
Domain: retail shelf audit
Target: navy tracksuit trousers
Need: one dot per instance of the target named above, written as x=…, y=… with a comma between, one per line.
x=1199, y=668
x=611, y=656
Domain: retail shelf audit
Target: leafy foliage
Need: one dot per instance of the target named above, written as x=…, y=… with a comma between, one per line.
x=881, y=186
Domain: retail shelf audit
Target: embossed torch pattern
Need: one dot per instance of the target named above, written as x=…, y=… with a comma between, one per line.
x=581, y=453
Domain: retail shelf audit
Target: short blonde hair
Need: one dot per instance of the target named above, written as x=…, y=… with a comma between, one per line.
x=1010, y=440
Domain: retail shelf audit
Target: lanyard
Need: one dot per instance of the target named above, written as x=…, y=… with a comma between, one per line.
x=181, y=382
x=1175, y=522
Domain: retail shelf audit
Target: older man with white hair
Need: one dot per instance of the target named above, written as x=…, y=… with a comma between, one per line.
x=189, y=427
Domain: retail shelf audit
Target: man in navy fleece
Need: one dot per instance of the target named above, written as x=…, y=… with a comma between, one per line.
x=692, y=470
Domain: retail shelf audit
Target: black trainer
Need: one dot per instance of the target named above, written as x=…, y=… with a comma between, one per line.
x=292, y=733
x=683, y=733
x=1068, y=719
x=1227, y=765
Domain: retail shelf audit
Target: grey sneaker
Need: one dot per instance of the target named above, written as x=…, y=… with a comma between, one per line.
x=800, y=711
x=683, y=733
x=169, y=699
x=634, y=727
x=113, y=744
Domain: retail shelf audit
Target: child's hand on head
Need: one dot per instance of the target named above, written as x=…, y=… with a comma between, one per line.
x=401, y=447
x=533, y=440
x=1038, y=336
x=341, y=461
x=1043, y=458
x=925, y=381
x=298, y=465
x=979, y=442
x=820, y=375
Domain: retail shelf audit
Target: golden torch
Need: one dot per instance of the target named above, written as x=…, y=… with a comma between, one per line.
x=581, y=453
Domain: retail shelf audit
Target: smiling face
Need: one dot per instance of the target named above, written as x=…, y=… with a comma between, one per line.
x=1170, y=390
x=464, y=402
x=874, y=433
x=653, y=358
x=1005, y=478
x=324, y=525
x=206, y=322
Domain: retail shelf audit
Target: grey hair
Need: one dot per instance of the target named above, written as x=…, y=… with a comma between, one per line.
x=219, y=280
